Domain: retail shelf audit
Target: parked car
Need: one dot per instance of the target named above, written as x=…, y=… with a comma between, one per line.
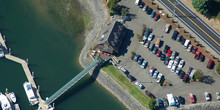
x=186, y=44
x=152, y=14
x=149, y=94
x=176, y=101
x=151, y=36
x=166, y=60
x=155, y=50
x=155, y=74
x=160, y=103
x=165, y=102
x=162, y=57
x=194, y=49
x=173, y=55
x=191, y=98
x=181, y=75
x=136, y=56
x=185, y=78
x=166, y=28
x=210, y=64
x=166, y=47
x=181, y=64
x=217, y=95
x=201, y=58
x=173, y=69
x=182, y=41
x=179, y=37
x=146, y=34
x=178, y=70
x=123, y=70
x=189, y=48
x=158, y=53
x=191, y=75
x=170, y=64
x=156, y=17
x=149, y=10
x=169, y=53
x=145, y=7
x=197, y=55
x=151, y=47
x=131, y=78
x=207, y=96
x=141, y=4
x=140, y=60
x=144, y=64
x=147, y=43
x=177, y=59
x=139, y=85
x=175, y=33
x=159, y=77
x=189, y=70
x=181, y=100
x=142, y=42
x=152, y=71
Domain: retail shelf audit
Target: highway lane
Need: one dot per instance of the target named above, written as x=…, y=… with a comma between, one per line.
x=199, y=27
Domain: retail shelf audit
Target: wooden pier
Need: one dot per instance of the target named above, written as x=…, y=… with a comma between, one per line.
x=41, y=105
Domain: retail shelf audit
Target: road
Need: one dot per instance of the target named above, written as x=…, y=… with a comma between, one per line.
x=199, y=27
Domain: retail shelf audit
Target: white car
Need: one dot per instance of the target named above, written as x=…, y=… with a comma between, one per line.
x=142, y=42
x=139, y=85
x=217, y=95
x=189, y=48
x=178, y=71
x=170, y=64
x=207, y=96
x=159, y=77
x=182, y=62
x=150, y=38
x=173, y=69
x=166, y=28
x=145, y=7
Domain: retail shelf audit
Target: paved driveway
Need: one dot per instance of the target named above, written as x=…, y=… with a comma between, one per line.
x=179, y=88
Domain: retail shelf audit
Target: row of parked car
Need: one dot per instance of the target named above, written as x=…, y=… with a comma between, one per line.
x=180, y=100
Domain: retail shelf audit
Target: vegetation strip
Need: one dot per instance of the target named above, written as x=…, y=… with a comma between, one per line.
x=125, y=83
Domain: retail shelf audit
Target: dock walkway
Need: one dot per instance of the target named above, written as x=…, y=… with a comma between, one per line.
x=42, y=105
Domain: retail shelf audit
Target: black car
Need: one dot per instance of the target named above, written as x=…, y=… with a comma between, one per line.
x=132, y=78
x=175, y=33
x=181, y=75
x=181, y=100
x=162, y=57
x=179, y=37
x=136, y=56
x=194, y=49
x=166, y=48
x=201, y=58
x=166, y=60
x=155, y=50
x=149, y=10
x=140, y=60
x=182, y=41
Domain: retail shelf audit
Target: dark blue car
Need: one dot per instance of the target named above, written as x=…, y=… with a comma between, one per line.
x=160, y=102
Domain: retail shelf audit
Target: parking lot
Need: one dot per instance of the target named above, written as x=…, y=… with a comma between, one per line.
x=178, y=88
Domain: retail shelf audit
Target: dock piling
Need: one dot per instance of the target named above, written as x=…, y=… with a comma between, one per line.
x=6, y=90
x=32, y=74
x=9, y=51
x=4, y=38
x=38, y=88
x=27, y=61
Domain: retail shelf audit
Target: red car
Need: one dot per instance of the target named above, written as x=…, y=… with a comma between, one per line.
x=210, y=64
x=156, y=17
x=197, y=55
x=158, y=53
x=169, y=52
x=191, y=98
x=149, y=94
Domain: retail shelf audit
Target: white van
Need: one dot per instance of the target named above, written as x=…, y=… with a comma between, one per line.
x=137, y=2
x=186, y=44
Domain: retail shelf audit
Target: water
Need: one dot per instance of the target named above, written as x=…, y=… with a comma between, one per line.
x=52, y=43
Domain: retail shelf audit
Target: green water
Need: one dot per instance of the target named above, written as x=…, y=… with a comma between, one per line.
x=36, y=30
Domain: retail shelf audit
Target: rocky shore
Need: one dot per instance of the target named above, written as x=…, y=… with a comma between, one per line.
x=98, y=15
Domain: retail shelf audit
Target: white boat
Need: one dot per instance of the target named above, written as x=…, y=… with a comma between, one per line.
x=12, y=97
x=30, y=93
x=2, y=54
x=5, y=104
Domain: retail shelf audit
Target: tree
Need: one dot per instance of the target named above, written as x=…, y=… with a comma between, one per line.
x=152, y=104
x=124, y=11
x=199, y=75
x=201, y=6
x=112, y=5
x=218, y=68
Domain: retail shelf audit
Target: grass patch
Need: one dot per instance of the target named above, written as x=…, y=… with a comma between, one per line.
x=86, y=20
x=125, y=83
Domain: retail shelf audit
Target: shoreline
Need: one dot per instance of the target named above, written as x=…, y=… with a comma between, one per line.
x=98, y=15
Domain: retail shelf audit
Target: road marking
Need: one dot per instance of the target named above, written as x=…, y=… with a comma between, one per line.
x=194, y=23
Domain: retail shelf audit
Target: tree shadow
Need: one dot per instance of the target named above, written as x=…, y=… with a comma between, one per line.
x=208, y=80
x=214, y=10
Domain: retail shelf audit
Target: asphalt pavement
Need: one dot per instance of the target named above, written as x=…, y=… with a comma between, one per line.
x=199, y=27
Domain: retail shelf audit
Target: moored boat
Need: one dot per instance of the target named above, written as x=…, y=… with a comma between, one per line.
x=5, y=104
x=30, y=93
x=2, y=54
x=12, y=97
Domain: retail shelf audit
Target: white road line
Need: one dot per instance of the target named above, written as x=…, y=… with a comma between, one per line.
x=190, y=27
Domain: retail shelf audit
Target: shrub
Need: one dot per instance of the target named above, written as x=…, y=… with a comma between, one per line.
x=124, y=11
x=199, y=75
x=138, y=37
x=194, y=40
x=178, y=26
x=152, y=104
x=132, y=57
x=190, y=36
x=218, y=68
x=201, y=6
x=184, y=31
x=172, y=20
x=161, y=82
x=132, y=52
x=167, y=16
x=213, y=57
x=157, y=7
x=111, y=13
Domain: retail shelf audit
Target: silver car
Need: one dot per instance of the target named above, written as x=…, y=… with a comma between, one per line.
x=173, y=55
x=151, y=36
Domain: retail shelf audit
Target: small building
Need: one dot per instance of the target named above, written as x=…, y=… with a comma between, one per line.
x=111, y=38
